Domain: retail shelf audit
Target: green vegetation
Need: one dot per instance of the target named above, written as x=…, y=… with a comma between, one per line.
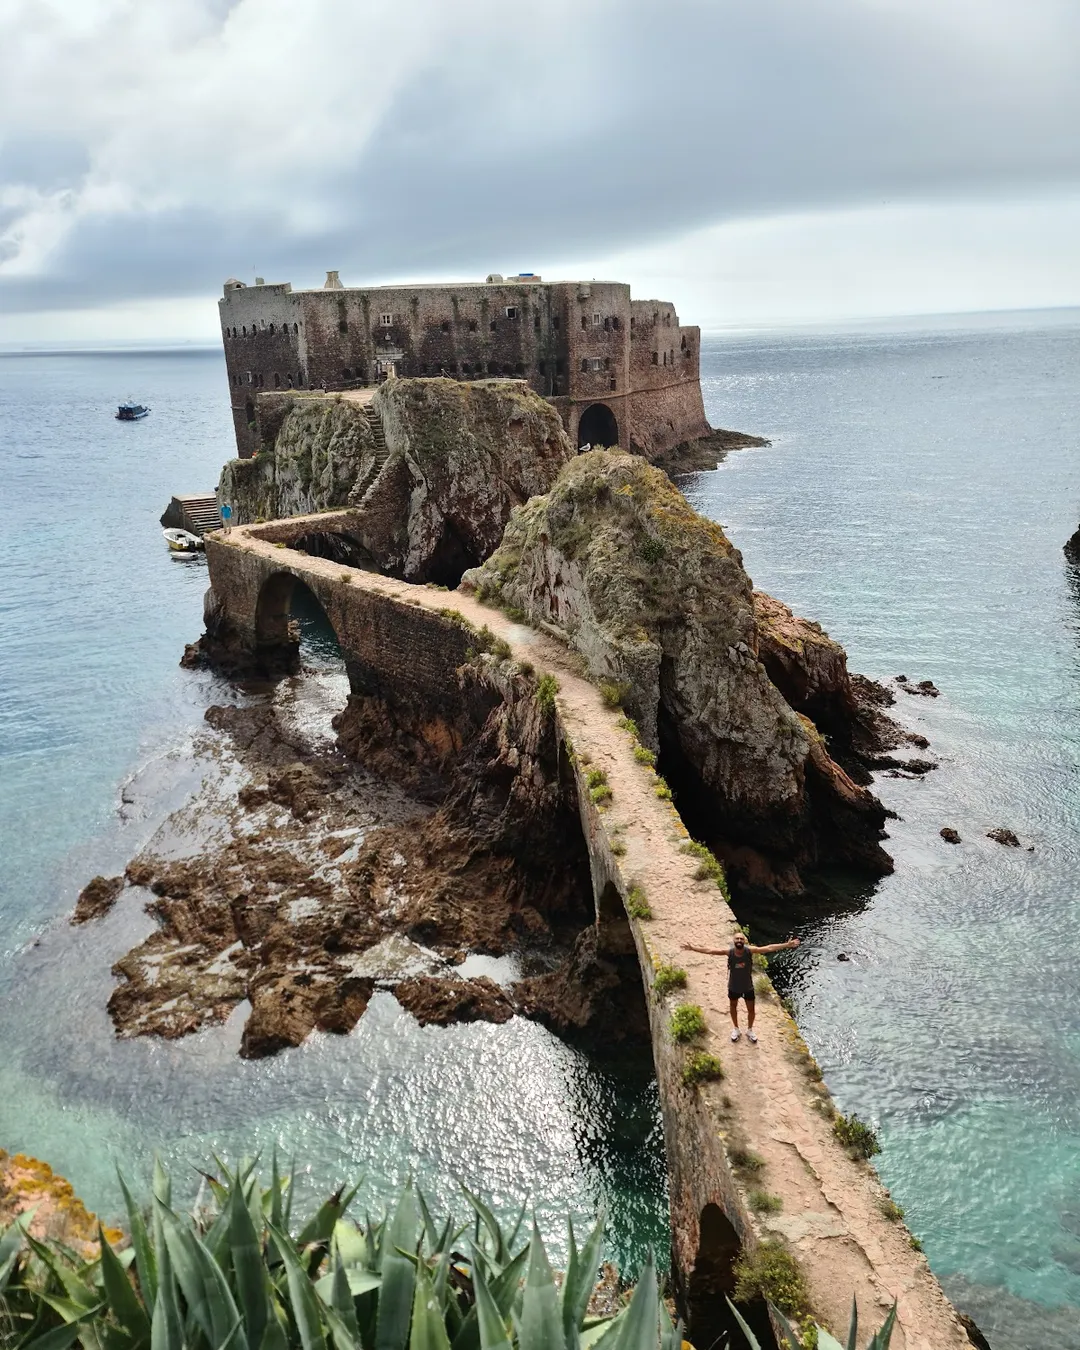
x=709, y=867
x=644, y=755
x=772, y=1273
x=239, y=1273
x=760, y=961
x=687, y=1022
x=890, y=1209
x=810, y=1336
x=526, y=668
x=859, y=1138
x=490, y=642
x=618, y=848
x=346, y=577
x=764, y=1202
x=652, y=550
x=746, y=1160
x=612, y=692
x=668, y=978
x=597, y=783
x=547, y=686
x=662, y=790
x=628, y=724
x=701, y=1067
x=914, y=1243
x=762, y=986
x=637, y=905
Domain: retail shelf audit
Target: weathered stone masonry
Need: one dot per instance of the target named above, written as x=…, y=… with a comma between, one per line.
x=620, y=371
x=769, y=1104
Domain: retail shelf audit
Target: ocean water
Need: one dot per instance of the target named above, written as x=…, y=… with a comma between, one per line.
x=915, y=499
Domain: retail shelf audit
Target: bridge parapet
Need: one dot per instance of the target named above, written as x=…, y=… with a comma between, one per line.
x=766, y=1126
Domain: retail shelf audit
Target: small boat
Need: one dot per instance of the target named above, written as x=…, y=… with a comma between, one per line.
x=183, y=544
x=131, y=412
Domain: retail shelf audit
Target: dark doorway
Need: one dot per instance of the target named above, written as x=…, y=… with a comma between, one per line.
x=598, y=426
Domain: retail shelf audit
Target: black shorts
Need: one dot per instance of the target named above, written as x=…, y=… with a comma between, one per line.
x=747, y=994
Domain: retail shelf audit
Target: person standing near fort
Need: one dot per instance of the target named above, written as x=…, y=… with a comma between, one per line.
x=740, y=962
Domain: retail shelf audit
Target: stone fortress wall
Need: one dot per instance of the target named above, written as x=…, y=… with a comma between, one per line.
x=620, y=371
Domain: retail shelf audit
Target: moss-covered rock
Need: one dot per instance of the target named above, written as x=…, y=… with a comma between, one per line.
x=321, y=448
x=656, y=598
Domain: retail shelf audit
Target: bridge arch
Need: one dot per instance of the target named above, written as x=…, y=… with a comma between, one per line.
x=598, y=425
x=284, y=599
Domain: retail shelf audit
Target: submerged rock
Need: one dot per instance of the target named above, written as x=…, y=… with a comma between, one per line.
x=949, y=835
x=657, y=601
x=1003, y=835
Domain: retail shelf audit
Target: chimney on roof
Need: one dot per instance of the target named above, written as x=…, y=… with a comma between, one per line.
x=332, y=282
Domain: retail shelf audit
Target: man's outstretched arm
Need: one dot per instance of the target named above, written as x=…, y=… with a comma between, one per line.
x=776, y=946
x=705, y=951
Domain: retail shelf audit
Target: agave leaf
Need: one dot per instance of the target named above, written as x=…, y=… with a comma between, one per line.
x=249, y=1269
x=276, y=1217
x=592, y=1337
x=123, y=1302
x=853, y=1328
x=205, y=1289
x=883, y=1336
x=166, y=1325
x=785, y=1325
x=637, y=1330
x=342, y=1295
x=428, y=1329
x=57, y=1339
x=492, y=1325
x=162, y=1184
x=69, y=1310
x=504, y=1290
x=78, y=1290
x=341, y=1333
x=350, y=1244
x=580, y=1281
x=398, y=1276
x=826, y=1341
x=274, y=1337
x=540, y=1320
x=357, y=1281
x=145, y=1260
x=430, y=1231
x=305, y=1305
x=290, y=1194
x=491, y=1224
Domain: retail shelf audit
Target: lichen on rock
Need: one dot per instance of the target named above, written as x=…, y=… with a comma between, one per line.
x=656, y=598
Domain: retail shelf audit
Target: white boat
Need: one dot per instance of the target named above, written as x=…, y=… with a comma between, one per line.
x=183, y=543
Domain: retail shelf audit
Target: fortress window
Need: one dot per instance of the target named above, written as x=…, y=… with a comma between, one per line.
x=596, y=363
x=271, y=328
x=506, y=369
x=671, y=358
x=536, y=321
x=555, y=323
x=493, y=367
x=245, y=330
x=277, y=380
x=632, y=321
x=656, y=316
x=596, y=320
x=683, y=344
x=446, y=325
x=289, y=378
x=540, y=368
x=665, y=358
x=491, y=325
x=387, y=320
x=688, y=353
x=615, y=323
x=295, y=328
x=607, y=362
x=584, y=321
x=584, y=363
x=466, y=369
x=472, y=325
x=656, y=358
x=611, y=386
x=343, y=325
x=511, y=311
x=607, y=325
x=519, y=369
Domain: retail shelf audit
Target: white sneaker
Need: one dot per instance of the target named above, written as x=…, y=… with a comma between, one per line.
x=751, y=1037
x=735, y=1034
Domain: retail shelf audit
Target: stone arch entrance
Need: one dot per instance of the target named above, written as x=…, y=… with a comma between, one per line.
x=598, y=426
x=277, y=627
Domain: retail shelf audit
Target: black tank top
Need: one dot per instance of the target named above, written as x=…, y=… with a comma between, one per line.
x=740, y=965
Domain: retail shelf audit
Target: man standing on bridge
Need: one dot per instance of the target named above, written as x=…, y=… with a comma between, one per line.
x=740, y=964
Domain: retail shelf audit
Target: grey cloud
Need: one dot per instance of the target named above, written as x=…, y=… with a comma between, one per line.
x=667, y=117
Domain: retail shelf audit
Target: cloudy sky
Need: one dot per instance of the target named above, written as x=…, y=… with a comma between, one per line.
x=754, y=160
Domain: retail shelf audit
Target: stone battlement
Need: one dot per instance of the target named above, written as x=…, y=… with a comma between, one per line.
x=620, y=371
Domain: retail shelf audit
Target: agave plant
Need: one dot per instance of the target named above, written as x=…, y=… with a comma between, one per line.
x=818, y=1337
x=233, y=1276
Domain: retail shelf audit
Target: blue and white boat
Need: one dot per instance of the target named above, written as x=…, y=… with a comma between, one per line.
x=131, y=412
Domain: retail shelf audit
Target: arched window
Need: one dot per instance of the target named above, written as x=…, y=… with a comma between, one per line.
x=245, y=330
x=277, y=380
x=295, y=328
x=271, y=328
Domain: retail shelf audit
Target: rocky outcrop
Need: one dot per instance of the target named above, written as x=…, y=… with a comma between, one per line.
x=321, y=447
x=96, y=898
x=458, y=457
x=30, y=1187
x=705, y=452
x=656, y=600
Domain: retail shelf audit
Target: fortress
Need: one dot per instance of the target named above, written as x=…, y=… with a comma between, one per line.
x=620, y=371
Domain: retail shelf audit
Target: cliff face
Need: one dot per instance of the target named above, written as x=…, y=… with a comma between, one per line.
x=656, y=599
x=320, y=448
x=458, y=457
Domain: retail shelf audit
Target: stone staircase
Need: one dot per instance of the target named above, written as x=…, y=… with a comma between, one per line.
x=200, y=514
x=382, y=454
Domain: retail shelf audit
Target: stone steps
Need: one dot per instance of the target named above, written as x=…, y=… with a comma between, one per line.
x=382, y=454
x=201, y=514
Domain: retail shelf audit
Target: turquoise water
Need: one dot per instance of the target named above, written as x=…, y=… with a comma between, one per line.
x=915, y=501
x=97, y=727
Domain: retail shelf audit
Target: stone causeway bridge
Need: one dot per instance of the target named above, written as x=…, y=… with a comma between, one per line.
x=767, y=1125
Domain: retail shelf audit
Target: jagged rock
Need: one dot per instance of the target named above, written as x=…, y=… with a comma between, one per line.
x=949, y=835
x=96, y=898
x=655, y=597
x=48, y=1205
x=1003, y=835
x=459, y=457
x=436, y=1002
x=927, y=688
x=705, y=452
